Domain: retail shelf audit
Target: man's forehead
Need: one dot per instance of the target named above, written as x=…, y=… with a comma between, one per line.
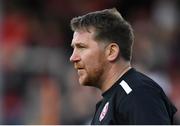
x=80, y=36
x=85, y=31
x=77, y=39
x=82, y=33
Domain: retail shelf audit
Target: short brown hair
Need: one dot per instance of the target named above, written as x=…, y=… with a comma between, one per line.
x=110, y=26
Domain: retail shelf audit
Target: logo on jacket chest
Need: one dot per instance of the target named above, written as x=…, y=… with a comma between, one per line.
x=104, y=111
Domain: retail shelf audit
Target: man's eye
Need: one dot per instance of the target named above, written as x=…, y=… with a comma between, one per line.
x=81, y=46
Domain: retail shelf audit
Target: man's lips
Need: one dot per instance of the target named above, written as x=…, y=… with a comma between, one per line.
x=78, y=68
x=80, y=71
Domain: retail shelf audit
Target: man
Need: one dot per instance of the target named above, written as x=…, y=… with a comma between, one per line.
x=102, y=47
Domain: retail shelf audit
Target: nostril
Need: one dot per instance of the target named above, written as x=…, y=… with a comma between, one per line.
x=74, y=58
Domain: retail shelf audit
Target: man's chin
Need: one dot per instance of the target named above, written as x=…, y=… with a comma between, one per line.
x=84, y=83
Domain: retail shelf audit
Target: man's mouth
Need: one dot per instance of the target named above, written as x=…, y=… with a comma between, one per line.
x=78, y=68
x=80, y=71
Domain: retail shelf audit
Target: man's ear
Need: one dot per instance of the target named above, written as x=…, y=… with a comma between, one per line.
x=112, y=51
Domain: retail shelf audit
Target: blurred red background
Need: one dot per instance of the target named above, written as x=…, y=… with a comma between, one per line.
x=37, y=82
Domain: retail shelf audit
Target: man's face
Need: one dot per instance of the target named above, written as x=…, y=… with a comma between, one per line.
x=88, y=58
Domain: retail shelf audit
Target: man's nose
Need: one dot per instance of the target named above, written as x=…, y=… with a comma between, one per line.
x=74, y=57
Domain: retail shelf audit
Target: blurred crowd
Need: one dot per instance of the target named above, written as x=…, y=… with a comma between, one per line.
x=38, y=84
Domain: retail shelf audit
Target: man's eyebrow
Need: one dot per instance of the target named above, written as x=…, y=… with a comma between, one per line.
x=78, y=44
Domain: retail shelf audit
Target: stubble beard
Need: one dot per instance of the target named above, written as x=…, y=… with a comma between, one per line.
x=92, y=78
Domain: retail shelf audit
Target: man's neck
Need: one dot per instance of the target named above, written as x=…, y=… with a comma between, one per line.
x=114, y=74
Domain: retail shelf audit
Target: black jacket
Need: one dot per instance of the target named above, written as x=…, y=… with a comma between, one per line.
x=134, y=99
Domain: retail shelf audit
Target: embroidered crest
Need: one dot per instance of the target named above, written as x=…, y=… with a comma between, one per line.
x=104, y=111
